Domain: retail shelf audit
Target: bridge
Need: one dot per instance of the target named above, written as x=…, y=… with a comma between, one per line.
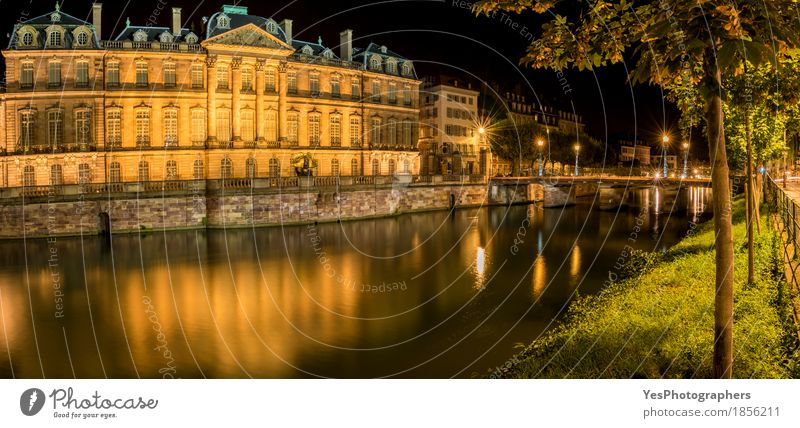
x=611, y=191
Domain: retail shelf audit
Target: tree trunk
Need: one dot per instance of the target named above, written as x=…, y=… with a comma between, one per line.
x=750, y=195
x=723, y=243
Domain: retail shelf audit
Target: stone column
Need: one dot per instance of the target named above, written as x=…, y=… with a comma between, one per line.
x=282, y=93
x=211, y=89
x=236, y=105
x=260, y=100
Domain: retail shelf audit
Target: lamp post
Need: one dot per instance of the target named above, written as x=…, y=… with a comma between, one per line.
x=685, y=158
x=540, y=143
x=665, y=143
x=577, y=151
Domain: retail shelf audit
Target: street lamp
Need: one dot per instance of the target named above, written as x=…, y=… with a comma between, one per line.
x=540, y=143
x=685, y=158
x=577, y=150
x=665, y=143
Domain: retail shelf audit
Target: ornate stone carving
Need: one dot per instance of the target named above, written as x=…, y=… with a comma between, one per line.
x=211, y=60
x=236, y=63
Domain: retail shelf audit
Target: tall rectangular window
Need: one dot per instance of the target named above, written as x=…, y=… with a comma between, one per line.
x=270, y=79
x=407, y=100
x=291, y=82
x=114, y=128
x=248, y=126
x=376, y=90
x=82, y=74
x=247, y=80
x=222, y=76
x=355, y=88
x=26, y=128
x=141, y=74
x=224, y=126
x=313, y=83
x=170, y=75
x=112, y=72
x=55, y=128
x=26, y=75
x=336, y=130
x=392, y=92
x=197, y=76
x=83, y=127
x=170, y=128
x=392, y=131
x=336, y=89
x=375, y=131
x=408, y=133
x=142, y=128
x=198, y=127
x=292, y=127
x=313, y=129
x=54, y=74
x=271, y=126
x=355, y=131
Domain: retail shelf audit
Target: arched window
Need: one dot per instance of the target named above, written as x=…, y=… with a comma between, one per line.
x=223, y=21
x=54, y=39
x=391, y=167
x=171, y=170
x=114, y=173
x=84, y=173
x=354, y=167
x=191, y=38
x=28, y=176
x=391, y=67
x=375, y=63
x=376, y=167
x=251, y=168
x=199, y=170
x=335, y=167
x=226, y=168
x=56, y=175
x=272, y=27
x=406, y=69
x=144, y=171
x=274, y=168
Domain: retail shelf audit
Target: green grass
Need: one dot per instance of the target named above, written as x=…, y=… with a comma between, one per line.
x=659, y=321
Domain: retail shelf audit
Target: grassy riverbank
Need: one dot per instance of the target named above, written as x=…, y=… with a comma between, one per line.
x=659, y=320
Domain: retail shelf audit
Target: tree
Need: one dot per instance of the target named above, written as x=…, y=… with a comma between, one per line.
x=690, y=44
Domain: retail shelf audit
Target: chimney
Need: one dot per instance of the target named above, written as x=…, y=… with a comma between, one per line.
x=286, y=24
x=346, y=45
x=176, y=21
x=97, y=13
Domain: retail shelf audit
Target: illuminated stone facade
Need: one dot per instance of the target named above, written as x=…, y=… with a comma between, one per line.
x=239, y=101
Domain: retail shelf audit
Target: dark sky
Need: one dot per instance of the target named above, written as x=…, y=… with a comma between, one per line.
x=440, y=36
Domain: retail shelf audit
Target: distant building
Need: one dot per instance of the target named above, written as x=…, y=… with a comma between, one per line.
x=450, y=138
x=672, y=163
x=634, y=150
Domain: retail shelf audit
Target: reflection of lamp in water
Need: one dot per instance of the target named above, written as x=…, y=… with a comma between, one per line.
x=539, y=276
x=480, y=267
x=575, y=263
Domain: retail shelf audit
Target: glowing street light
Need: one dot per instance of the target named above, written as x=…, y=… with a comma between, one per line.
x=540, y=143
x=665, y=143
x=481, y=130
x=577, y=151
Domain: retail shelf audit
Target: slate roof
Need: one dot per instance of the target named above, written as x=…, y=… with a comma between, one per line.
x=40, y=23
x=153, y=33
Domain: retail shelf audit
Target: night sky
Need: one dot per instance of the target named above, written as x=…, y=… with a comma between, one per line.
x=440, y=36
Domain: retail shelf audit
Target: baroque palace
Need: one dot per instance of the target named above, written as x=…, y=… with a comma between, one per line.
x=243, y=99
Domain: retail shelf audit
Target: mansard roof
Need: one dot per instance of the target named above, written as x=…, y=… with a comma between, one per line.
x=55, y=17
x=376, y=49
x=238, y=17
x=317, y=47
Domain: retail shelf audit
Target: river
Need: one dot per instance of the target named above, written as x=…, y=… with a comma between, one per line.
x=426, y=295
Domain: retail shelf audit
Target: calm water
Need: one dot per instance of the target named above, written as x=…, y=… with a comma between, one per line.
x=422, y=295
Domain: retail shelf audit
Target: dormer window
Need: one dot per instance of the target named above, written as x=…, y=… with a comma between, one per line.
x=27, y=39
x=383, y=49
x=82, y=39
x=54, y=39
x=223, y=21
x=272, y=27
x=327, y=53
x=191, y=38
x=139, y=36
x=391, y=67
x=375, y=63
x=406, y=69
x=307, y=50
x=165, y=37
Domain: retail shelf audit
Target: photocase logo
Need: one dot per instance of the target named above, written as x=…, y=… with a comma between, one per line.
x=31, y=401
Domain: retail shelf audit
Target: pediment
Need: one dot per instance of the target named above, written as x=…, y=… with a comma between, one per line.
x=248, y=35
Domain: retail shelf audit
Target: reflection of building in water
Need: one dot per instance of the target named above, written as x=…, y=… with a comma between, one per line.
x=241, y=99
x=539, y=276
